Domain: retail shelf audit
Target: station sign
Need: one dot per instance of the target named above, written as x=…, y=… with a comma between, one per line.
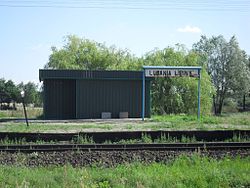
x=170, y=73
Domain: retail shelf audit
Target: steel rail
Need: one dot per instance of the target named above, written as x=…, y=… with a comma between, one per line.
x=126, y=147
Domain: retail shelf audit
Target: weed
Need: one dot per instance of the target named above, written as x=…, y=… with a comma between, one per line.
x=239, y=138
x=108, y=142
x=146, y=139
x=185, y=139
x=83, y=140
x=193, y=171
x=7, y=141
x=31, y=113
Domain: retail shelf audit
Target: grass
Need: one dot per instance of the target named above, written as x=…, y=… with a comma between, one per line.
x=7, y=141
x=168, y=122
x=225, y=121
x=144, y=139
x=194, y=171
x=31, y=113
x=227, y=118
x=43, y=127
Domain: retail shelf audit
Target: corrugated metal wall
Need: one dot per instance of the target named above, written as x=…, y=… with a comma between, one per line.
x=70, y=94
x=59, y=99
x=97, y=96
x=88, y=74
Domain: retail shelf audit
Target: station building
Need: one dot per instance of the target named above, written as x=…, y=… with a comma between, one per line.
x=83, y=94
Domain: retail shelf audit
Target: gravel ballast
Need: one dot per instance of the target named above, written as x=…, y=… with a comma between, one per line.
x=107, y=158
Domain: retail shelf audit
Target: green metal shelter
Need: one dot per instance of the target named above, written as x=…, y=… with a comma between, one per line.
x=82, y=94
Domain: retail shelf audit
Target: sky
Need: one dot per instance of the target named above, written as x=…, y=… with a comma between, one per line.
x=29, y=28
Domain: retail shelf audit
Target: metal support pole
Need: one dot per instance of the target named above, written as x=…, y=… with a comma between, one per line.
x=76, y=99
x=199, y=95
x=25, y=113
x=143, y=95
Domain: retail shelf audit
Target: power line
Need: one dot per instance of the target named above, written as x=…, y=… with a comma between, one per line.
x=219, y=5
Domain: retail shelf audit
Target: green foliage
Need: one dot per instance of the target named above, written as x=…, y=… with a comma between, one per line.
x=168, y=95
x=194, y=171
x=22, y=141
x=7, y=141
x=32, y=93
x=9, y=92
x=178, y=95
x=146, y=139
x=83, y=140
x=229, y=119
x=85, y=54
x=230, y=105
x=227, y=65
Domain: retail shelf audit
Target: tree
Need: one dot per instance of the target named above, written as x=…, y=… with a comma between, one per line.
x=226, y=64
x=32, y=95
x=2, y=92
x=8, y=93
x=85, y=54
x=168, y=95
x=246, y=93
x=178, y=95
x=12, y=93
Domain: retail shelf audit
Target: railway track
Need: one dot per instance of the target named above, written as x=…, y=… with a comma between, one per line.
x=101, y=137
x=126, y=147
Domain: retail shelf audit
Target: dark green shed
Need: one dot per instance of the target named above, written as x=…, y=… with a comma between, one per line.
x=78, y=94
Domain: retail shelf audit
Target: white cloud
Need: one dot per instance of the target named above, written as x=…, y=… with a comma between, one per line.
x=189, y=29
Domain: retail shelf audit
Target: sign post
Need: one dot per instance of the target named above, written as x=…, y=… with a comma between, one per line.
x=170, y=72
x=199, y=95
x=24, y=109
x=143, y=95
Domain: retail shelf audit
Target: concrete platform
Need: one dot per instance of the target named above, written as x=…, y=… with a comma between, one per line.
x=110, y=121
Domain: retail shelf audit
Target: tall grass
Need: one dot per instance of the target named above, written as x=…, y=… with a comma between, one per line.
x=32, y=112
x=193, y=171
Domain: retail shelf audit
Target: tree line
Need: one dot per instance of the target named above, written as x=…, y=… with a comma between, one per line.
x=228, y=67
x=225, y=70
x=10, y=93
x=225, y=73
